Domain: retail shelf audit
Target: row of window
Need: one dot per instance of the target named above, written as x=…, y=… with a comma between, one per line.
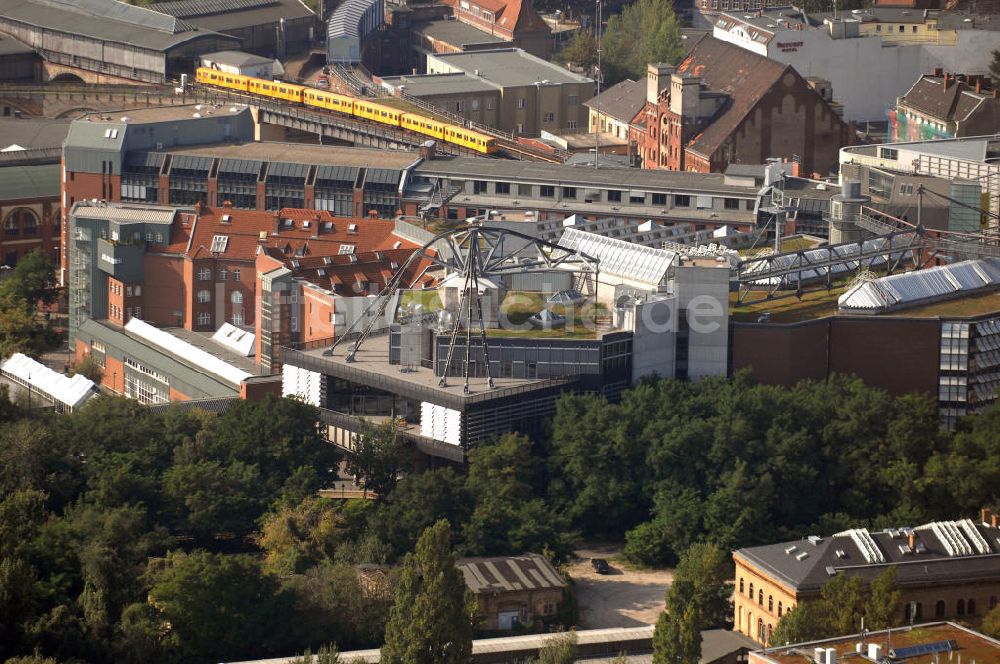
x=204, y=297
x=21, y=222
x=760, y=599
x=205, y=274
x=115, y=313
x=204, y=319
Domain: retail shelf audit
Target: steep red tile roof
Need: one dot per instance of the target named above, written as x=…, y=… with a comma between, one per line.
x=368, y=272
x=745, y=76
x=292, y=232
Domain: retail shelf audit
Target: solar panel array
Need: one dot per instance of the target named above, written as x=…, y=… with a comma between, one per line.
x=911, y=288
x=845, y=252
x=621, y=258
x=923, y=649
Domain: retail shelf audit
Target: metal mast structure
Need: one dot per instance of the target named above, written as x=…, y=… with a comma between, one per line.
x=471, y=253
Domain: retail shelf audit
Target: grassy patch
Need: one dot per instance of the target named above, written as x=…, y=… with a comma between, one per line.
x=785, y=307
x=430, y=299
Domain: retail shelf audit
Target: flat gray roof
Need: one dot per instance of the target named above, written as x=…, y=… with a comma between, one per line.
x=105, y=20
x=509, y=67
x=455, y=33
x=237, y=58
x=192, y=377
x=19, y=182
x=301, y=153
x=33, y=132
x=427, y=85
x=558, y=174
x=222, y=15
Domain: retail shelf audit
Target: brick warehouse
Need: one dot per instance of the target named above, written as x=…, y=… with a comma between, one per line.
x=723, y=105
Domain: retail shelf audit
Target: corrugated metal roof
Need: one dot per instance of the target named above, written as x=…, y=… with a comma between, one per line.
x=241, y=166
x=191, y=8
x=382, y=176
x=20, y=182
x=337, y=173
x=69, y=390
x=344, y=20
x=191, y=163
x=125, y=213
x=285, y=170
x=217, y=405
x=510, y=573
x=144, y=159
x=106, y=20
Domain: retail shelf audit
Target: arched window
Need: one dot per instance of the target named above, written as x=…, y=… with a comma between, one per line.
x=29, y=221
x=204, y=296
x=741, y=585
x=960, y=608
x=939, y=609
x=11, y=227
x=751, y=592
x=920, y=611
x=770, y=603
x=779, y=609
x=970, y=607
x=770, y=631
x=760, y=597
x=236, y=297
x=760, y=630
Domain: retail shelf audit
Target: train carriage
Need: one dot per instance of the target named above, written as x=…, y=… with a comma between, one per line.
x=276, y=90
x=223, y=79
x=470, y=139
x=331, y=101
x=422, y=125
x=377, y=112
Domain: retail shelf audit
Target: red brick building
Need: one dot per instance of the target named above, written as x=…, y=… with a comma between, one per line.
x=725, y=105
x=515, y=21
x=29, y=210
x=191, y=271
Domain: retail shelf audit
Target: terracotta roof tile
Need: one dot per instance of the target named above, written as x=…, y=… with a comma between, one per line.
x=745, y=76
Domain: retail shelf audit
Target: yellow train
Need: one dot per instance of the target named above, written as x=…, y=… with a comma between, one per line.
x=359, y=108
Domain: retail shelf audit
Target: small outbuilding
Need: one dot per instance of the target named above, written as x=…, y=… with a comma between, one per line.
x=513, y=590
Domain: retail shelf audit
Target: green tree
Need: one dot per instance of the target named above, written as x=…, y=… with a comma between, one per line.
x=220, y=606
x=559, y=649
x=676, y=638
x=884, y=601
x=330, y=603
x=379, y=457
x=808, y=621
x=19, y=333
x=431, y=620
x=296, y=538
x=327, y=654
x=139, y=635
x=88, y=368
x=991, y=623
x=32, y=279
x=580, y=51
x=995, y=68
x=703, y=578
x=503, y=478
x=645, y=32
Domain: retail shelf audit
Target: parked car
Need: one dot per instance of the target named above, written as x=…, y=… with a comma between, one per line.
x=600, y=565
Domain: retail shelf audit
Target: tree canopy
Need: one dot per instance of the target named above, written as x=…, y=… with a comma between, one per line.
x=431, y=620
x=645, y=32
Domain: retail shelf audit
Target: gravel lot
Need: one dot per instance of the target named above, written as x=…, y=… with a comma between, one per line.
x=623, y=598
